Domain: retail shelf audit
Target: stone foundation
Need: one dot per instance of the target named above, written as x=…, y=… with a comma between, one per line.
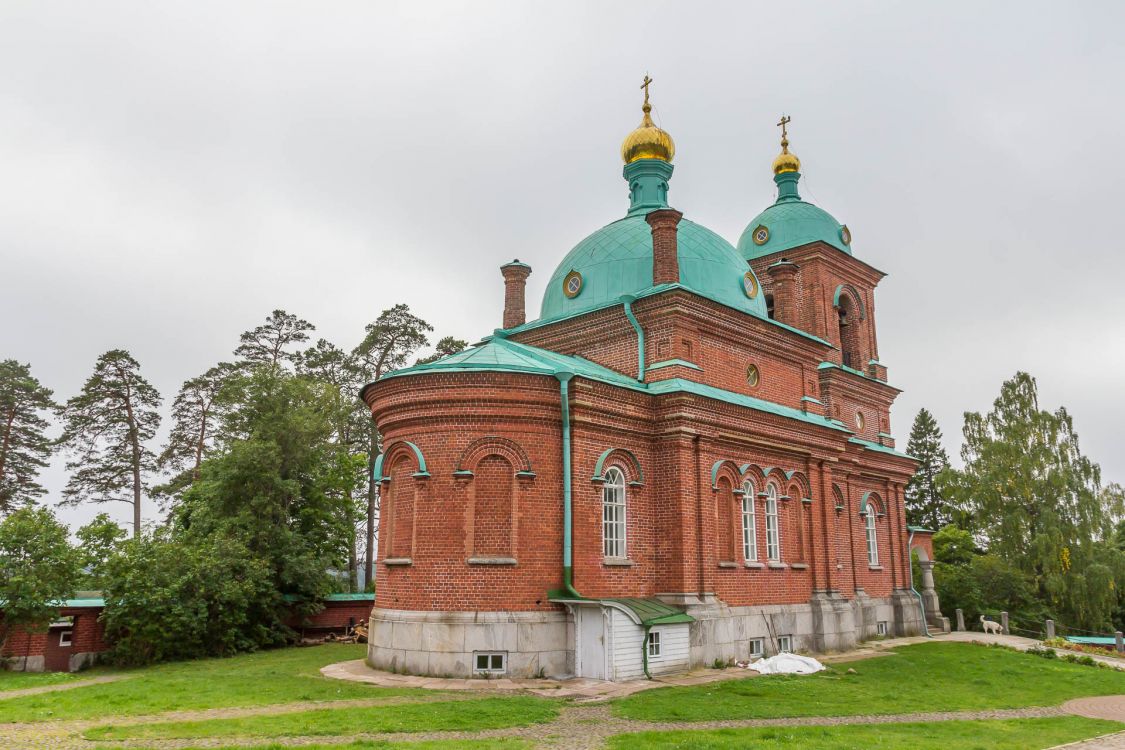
x=441, y=644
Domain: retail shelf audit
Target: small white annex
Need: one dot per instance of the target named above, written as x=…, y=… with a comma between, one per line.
x=628, y=639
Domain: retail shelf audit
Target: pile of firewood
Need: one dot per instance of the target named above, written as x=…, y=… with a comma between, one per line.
x=358, y=634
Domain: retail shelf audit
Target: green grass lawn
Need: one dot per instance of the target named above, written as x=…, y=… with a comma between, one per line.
x=264, y=678
x=1021, y=734
x=470, y=715
x=923, y=677
x=497, y=744
x=21, y=680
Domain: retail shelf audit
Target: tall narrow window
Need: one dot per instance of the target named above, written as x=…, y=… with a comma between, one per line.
x=872, y=539
x=613, y=514
x=749, y=523
x=773, y=540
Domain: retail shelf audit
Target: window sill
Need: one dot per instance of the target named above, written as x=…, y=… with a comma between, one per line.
x=776, y=565
x=618, y=562
x=491, y=561
x=874, y=567
x=800, y=566
x=395, y=561
x=728, y=564
x=756, y=565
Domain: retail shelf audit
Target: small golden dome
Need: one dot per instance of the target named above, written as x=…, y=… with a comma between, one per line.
x=785, y=161
x=647, y=141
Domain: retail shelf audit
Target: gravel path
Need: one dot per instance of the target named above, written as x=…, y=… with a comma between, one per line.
x=6, y=694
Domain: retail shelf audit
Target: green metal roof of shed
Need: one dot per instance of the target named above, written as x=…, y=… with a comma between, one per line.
x=653, y=611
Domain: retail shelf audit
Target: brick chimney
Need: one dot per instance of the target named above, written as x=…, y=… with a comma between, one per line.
x=783, y=274
x=665, y=251
x=515, y=280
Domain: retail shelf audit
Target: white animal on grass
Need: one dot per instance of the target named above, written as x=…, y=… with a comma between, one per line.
x=991, y=626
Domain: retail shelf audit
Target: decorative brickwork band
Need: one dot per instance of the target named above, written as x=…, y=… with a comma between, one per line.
x=665, y=250
x=784, y=277
x=515, y=280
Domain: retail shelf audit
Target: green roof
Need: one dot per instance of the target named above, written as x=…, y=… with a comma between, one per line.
x=500, y=354
x=88, y=602
x=617, y=260
x=362, y=596
x=654, y=611
x=879, y=448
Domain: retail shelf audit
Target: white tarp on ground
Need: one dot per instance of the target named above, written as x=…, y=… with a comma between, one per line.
x=787, y=664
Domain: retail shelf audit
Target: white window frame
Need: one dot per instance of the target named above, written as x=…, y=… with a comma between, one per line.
x=871, y=534
x=66, y=638
x=773, y=530
x=749, y=522
x=881, y=627
x=757, y=647
x=785, y=644
x=653, y=644
x=491, y=656
x=614, y=515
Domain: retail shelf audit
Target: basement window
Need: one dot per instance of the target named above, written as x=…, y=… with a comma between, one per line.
x=490, y=662
x=757, y=648
x=66, y=637
x=881, y=627
x=654, y=644
x=785, y=644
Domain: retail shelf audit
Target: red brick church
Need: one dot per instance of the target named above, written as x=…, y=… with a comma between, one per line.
x=686, y=457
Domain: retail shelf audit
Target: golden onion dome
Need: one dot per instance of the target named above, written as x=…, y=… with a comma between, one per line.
x=785, y=161
x=647, y=141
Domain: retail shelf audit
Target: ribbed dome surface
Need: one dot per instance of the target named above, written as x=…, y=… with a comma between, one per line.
x=617, y=260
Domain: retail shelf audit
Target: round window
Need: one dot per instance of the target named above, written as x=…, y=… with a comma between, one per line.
x=750, y=285
x=846, y=235
x=761, y=235
x=572, y=284
x=753, y=376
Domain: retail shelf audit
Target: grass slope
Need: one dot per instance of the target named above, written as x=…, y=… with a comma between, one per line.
x=923, y=677
x=472, y=715
x=491, y=744
x=1021, y=734
x=264, y=678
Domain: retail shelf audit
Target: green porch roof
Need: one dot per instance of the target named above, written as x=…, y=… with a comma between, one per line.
x=653, y=611
x=879, y=448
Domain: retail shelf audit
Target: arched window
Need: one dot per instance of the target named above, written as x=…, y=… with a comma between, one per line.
x=613, y=514
x=849, y=333
x=872, y=538
x=773, y=538
x=749, y=522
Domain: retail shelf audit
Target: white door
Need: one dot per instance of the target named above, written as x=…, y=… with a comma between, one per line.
x=590, y=627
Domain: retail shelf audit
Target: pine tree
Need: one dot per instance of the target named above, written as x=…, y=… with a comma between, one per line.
x=444, y=348
x=24, y=445
x=924, y=504
x=391, y=339
x=268, y=344
x=195, y=413
x=107, y=426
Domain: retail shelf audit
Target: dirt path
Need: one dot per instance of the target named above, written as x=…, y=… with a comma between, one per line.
x=578, y=726
x=6, y=694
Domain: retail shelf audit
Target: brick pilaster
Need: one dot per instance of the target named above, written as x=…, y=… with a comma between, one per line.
x=665, y=249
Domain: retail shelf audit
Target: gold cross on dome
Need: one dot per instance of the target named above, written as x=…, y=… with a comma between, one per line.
x=785, y=120
x=645, y=85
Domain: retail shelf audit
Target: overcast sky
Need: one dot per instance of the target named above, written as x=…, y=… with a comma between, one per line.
x=171, y=172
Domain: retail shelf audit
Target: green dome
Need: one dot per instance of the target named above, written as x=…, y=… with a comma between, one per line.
x=792, y=222
x=617, y=260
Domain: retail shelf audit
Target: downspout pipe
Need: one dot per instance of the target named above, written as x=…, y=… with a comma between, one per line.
x=627, y=301
x=644, y=651
x=568, y=509
x=921, y=604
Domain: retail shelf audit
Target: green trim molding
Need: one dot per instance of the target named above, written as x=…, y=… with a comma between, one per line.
x=599, y=467
x=378, y=470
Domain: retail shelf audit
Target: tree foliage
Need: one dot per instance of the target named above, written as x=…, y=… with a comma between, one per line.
x=1038, y=505
x=270, y=343
x=446, y=346
x=107, y=428
x=170, y=598
x=38, y=569
x=97, y=542
x=24, y=445
x=925, y=506
x=195, y=415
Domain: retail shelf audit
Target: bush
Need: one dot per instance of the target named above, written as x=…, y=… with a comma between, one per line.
x=167, y=599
